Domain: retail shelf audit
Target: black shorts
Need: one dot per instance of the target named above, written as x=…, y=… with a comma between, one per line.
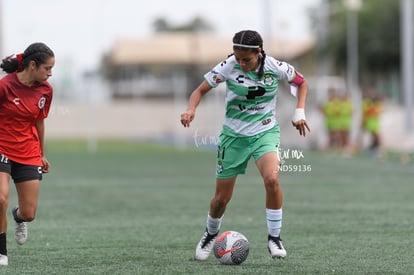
x=20, y=172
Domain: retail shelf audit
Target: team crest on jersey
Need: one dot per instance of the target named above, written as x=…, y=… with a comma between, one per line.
x=41, y=103
x=216, y=79
x=268, y=80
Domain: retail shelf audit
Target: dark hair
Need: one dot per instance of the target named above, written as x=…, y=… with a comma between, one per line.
x=249, y=40
x=37, y=52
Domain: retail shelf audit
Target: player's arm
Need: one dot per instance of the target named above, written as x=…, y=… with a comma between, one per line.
x=194, y=100
x=299, y=119
x=40, y=128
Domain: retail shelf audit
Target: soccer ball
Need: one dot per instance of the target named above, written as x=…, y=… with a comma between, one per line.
x=231, y=247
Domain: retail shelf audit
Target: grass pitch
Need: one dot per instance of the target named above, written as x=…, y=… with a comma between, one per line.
x=140, y=209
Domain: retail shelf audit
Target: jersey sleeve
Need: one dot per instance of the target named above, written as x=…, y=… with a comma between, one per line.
x=219, y=73
x=284, y=70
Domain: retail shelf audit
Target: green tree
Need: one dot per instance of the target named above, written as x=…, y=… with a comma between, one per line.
x=378, y=35
x=197, y=24
x=379, y=32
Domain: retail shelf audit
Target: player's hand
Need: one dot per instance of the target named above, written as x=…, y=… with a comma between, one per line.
x=299, y=121
x=187, y=117
x=45, y=166
x=301, y=126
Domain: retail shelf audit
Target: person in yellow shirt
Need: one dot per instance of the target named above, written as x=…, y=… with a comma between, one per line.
x=371, y=111
x=345, y=120
x=331, y=109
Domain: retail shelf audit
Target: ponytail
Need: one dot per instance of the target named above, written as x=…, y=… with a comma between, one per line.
x=260, y=73
x=37, y=52
x=11, y=64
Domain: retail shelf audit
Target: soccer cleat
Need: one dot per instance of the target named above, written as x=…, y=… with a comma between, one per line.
x=4, y=261
x=20, y=229
x=276, y=248
x=205, y=245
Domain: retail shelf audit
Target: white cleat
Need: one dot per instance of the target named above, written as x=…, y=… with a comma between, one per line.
x=276, y=249
x=4, y=260
x=204, y=246
x=20, y=230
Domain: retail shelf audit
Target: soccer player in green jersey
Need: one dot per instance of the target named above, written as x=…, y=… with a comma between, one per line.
x=250, y=129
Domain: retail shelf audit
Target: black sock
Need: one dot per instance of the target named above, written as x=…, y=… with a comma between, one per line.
x=17, y=219
x=3, y=244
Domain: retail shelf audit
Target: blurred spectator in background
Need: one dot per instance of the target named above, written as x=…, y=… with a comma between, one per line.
x=371, y=110
x=345, y=119
x=331, y=110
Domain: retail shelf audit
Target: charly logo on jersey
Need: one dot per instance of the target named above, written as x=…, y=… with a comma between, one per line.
x=16, y=100
x=41, y=103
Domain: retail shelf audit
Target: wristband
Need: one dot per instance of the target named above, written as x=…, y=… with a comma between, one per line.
x=299, y=115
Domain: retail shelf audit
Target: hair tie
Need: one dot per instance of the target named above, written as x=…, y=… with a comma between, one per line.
x=19, y=58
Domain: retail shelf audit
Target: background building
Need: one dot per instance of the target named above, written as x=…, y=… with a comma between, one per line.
x=149, y=67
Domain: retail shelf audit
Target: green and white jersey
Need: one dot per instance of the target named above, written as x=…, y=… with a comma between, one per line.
x=250, y=101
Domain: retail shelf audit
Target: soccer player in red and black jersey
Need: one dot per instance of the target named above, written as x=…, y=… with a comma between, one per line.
x=25, y=99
